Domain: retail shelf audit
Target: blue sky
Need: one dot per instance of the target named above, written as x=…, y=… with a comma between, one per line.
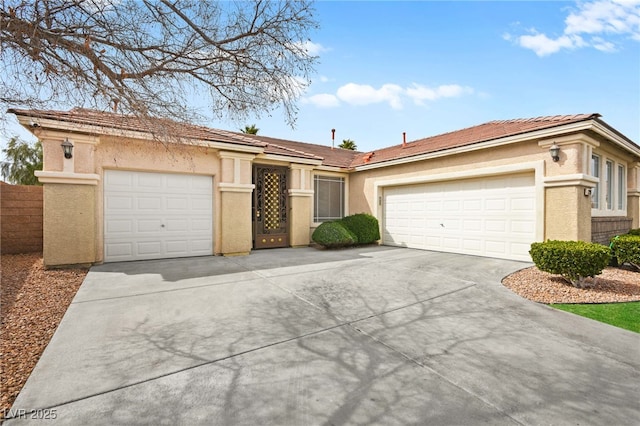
x=431, y=67
x=426, y=68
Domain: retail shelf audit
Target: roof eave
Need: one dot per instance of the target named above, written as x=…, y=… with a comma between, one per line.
x=289, y=159
x=616, y=137
x=537, y=134
x=73, y=127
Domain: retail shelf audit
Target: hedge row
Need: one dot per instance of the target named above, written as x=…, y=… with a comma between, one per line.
x=576, y=260
x=352, y=230
x=573, y=260
x=626, y=248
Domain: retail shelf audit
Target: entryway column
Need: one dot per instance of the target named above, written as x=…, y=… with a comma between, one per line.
x=300, y=199
x=235, y=203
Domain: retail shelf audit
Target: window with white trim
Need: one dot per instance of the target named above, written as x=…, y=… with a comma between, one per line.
x=622, y=188
x=609, y=196
x=595, y=171
x=328, y=198
x=608, y=176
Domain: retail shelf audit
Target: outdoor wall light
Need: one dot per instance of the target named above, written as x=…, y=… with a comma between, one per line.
x=554, y=150
x=67, y=147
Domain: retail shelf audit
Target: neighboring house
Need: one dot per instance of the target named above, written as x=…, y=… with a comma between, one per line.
x=488, y=190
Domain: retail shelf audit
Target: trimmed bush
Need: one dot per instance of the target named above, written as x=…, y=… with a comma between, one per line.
x=364, y=227
x=333, y=234
x=626, y=248
x=634, y=232
x=573, y=260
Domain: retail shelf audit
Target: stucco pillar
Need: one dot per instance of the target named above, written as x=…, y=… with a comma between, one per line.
x=633, y=195
x=300, y=196
x=568, y=184
x=235, y=203
x=69, y=200
x=567, y=213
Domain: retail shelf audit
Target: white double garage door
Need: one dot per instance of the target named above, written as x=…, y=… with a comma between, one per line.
x=156, y=215
x=489, y=216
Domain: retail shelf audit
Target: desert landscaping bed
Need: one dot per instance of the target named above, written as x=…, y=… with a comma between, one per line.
x=613, y=285
x=34, y=301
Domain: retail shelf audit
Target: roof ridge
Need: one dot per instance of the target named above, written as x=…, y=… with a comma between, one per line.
x=515, y=120
x=558, y=117
x=308, y=154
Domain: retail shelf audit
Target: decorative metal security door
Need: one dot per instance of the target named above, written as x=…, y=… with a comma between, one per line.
x=270, y=213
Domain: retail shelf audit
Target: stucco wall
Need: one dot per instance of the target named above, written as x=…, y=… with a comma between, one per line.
x=69, y=224
x=235, y=214
x=567, y=214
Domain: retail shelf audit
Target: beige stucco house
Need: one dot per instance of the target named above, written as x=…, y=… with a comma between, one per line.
x=128, y=192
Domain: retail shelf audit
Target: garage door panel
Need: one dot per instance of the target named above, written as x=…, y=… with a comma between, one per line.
x=472, y=225
x=472, y=205
x=492, y=216
x=523, y=227
x=176, y=247
x=496, y=248
x=119, y=202
x=155, y=215
x=149, y=203
x=149, y=248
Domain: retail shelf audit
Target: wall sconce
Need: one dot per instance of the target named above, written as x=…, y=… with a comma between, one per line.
x=554, y=150
x=67, y=147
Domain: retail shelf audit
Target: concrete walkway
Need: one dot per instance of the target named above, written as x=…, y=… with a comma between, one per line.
x=373, y=335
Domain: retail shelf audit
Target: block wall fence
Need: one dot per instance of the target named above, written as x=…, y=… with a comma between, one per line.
x=20, y=219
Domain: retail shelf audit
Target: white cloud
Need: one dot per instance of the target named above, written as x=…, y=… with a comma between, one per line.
x=543, y=45
x=363, y=94
x=603, y=45
x=420, y=93
x=313, y=49
x=323, y=100
x=587, y=26
x=605, y=16
x=393, y=94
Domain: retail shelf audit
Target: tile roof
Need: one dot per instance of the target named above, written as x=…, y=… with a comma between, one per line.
x=469, y=136
x=86, y=117
x=89, y=117
x=335, y=157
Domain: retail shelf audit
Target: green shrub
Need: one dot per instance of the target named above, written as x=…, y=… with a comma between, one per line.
x=364, y=227
x=626, y=248
x=634, y=232
x=573, y=260
x=333, y=234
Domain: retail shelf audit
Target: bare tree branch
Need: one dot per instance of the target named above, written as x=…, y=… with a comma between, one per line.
x=149, y=57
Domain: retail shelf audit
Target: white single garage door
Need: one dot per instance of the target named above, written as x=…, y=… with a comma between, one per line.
x=156, y=215
x=490, y=216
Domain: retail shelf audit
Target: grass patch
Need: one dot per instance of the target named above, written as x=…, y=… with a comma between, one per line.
x=623, y=315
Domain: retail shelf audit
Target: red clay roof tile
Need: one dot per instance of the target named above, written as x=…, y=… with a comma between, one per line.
x=469, y=136
x=335, y=157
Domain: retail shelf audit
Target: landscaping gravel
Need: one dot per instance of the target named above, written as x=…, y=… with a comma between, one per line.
x=613, y=285
x=33, y=301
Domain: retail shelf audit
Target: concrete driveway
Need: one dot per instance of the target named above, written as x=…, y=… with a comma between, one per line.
x=373, y=335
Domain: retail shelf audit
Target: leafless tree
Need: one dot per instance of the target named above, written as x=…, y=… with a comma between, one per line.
x=178, y=59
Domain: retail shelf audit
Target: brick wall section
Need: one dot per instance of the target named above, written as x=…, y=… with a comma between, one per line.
x=603, y=228
x=20, y=218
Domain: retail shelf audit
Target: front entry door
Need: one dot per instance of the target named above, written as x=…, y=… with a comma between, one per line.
x=270, y=224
